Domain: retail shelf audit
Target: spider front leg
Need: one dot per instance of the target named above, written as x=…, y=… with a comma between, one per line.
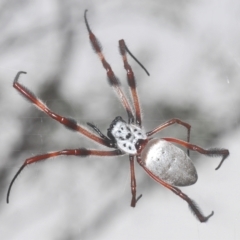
x=113, y=80
x=133, y=183
x=67, y=152
x=67, y=122
x=178, y=192
x=131, y=79
x=211, y=152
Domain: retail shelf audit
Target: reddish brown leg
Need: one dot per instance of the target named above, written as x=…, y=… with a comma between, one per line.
x=111, y=76
x=178, y=192
x=171, y=122
x=69, y=123
x=69, y=152
x=133, y=183
x=212, y=152
x=131, y=82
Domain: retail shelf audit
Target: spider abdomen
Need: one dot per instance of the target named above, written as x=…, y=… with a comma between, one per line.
x=169, y=163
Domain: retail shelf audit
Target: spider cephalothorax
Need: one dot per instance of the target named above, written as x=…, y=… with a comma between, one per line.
x=163, y=161
x=125, y=135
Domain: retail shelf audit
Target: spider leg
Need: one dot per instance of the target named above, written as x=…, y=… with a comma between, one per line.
x=67, y=152
x=178, y=192
x=133, y=183
x=111, y=76
x=68, y=122
x=212, y=152
x=97, y=130
x=131, y=80
x=123, y=44
x=169, y=123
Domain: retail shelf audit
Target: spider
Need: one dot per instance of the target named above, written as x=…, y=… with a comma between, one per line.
x=159, y=157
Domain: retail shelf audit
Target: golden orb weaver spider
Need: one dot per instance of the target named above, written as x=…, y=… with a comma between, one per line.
x=163, y=161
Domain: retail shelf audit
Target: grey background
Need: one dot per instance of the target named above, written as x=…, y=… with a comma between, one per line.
x=191, y=49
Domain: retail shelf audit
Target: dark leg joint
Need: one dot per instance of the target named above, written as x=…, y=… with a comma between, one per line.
x=134, y=200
